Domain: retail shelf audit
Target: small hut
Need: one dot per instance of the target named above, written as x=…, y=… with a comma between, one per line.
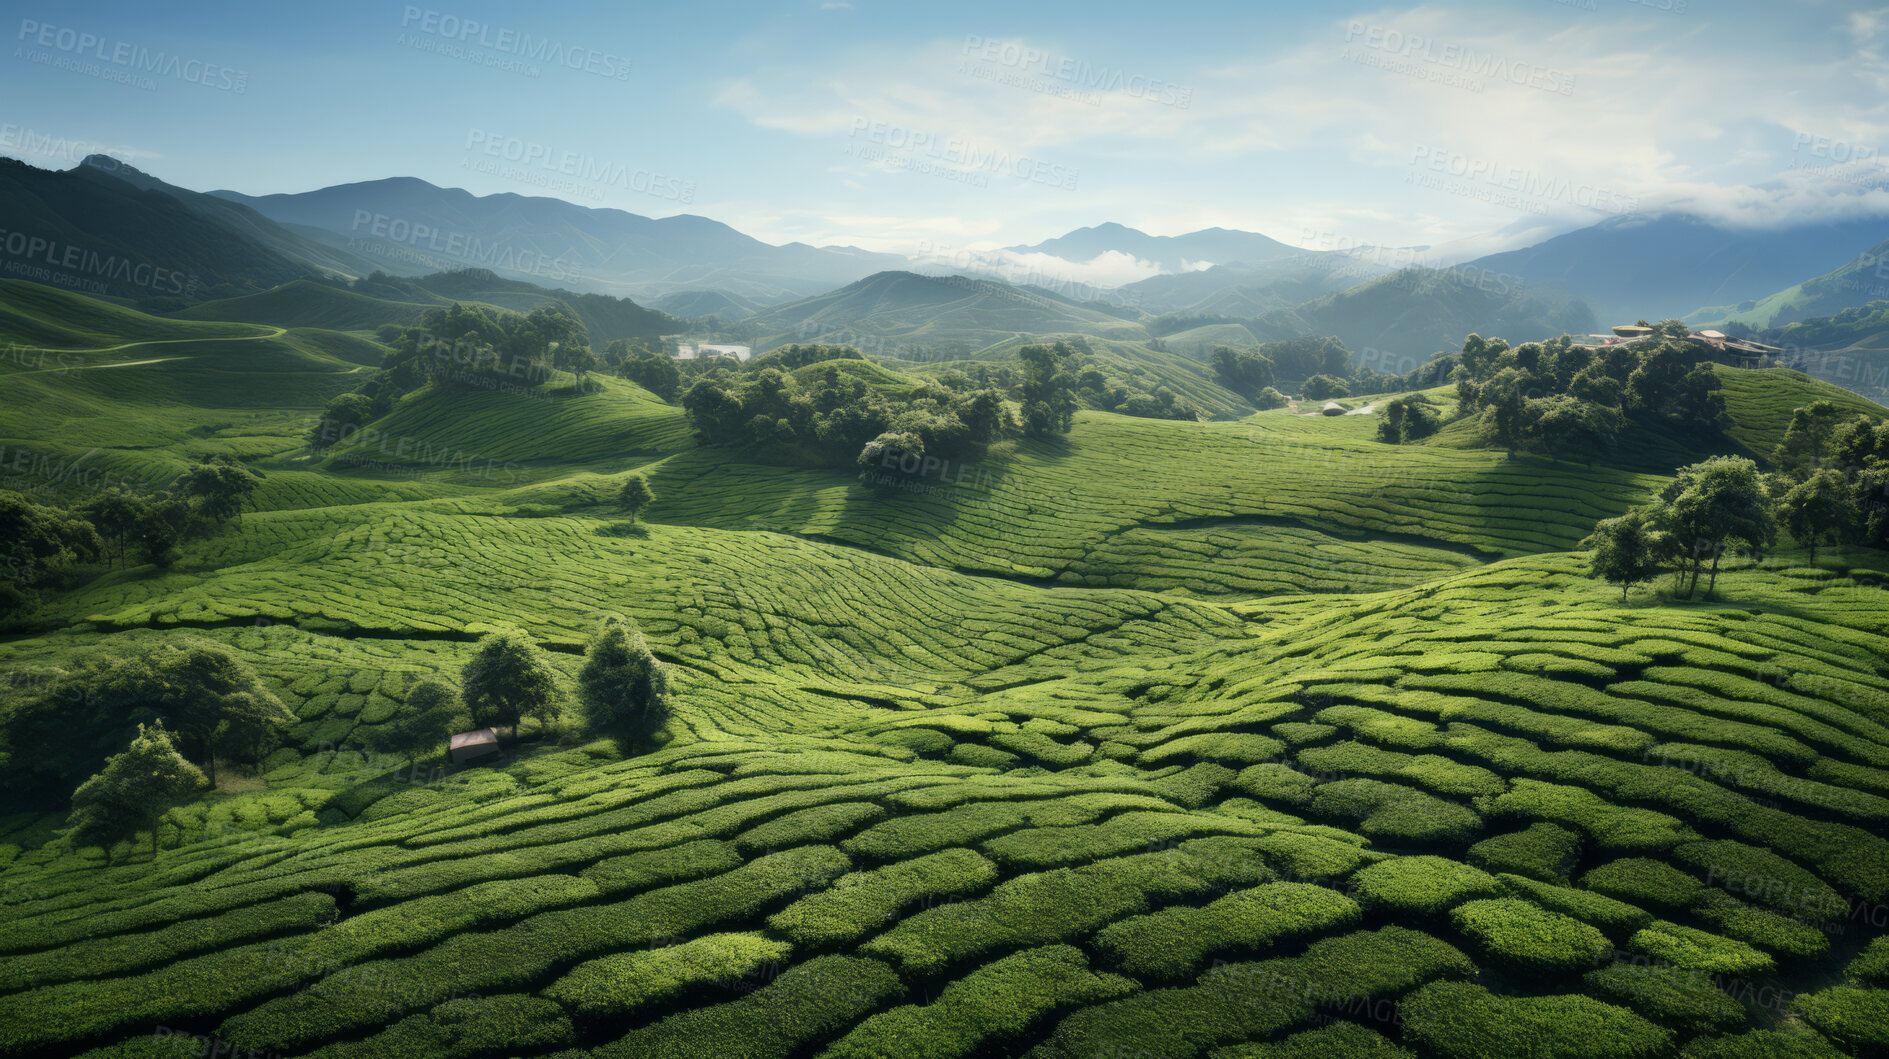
x=467, y=746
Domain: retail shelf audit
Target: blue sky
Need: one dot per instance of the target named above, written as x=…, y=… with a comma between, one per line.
x=945, y=128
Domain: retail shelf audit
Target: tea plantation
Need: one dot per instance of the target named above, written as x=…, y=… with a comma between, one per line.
x=1232, y=739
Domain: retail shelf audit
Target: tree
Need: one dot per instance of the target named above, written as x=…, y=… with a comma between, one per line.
x=422, y=724
x=343, y=416
x=1709, y=504
x=1049, y=385
x=1561, y=425
x=134, y=790
x=1326, y=387
x=624, y=688
x=36, y=542
x=218, y=488
x=217, y=705
x=635, y=495
x=1818, y=509
x=118, y=516
x=508, y=679
x=1808, y=437
x=888, y=458
x=1625, y=551
x=1246, y=374
x=1268, y=398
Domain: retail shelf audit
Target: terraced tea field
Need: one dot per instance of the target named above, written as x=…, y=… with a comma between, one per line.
x=1237, y=739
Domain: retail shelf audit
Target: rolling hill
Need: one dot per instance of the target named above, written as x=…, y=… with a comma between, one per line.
x=104, y=228
x=412, y=226
x=1663, y=265
x=1196, y=739
x=1856, y=283
x=890, y=313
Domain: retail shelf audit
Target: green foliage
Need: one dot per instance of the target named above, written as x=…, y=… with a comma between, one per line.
x=623, y=687
x=1711, y=504
x=1325, y=387
x=39, y=541
x=1528, y=937
x=1543, y=851
x=1347, y=975
x=1245, y=373
x=1681, y=1000
x=1818, y=510
x=423, y=723
x=635, y=495
x=1048, y=388
x=1762, y=1044
x=1459, y=1019
x=1640, y=881
x=1627, y=551
x=1854, y=1018
x=1000, y=999
x=1340, y=1038
x=136, y=788
x=1615, y=917
x=1421, y=885
x=1694, y=949
x=625, y=982
x=1174, y=941
x=865, y=901
x=805, y=1003
x=507, y=679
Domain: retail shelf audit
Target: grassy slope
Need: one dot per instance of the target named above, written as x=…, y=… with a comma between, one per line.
x=965, y=811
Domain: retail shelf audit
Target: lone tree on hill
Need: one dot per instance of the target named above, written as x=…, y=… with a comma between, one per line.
x=1048, y=392
x=217, y=704
x=423, y=723
x=1818, y=509
x=1626, y=551
x=133, y=791
x=219, y=488
x=1710, y=504
x=1325, y=387
x=635, y=495
x=508, y=679
x=625, y=690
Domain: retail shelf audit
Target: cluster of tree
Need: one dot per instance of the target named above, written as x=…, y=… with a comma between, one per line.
x=59, y=726
x=1556, y=397
x=623, y=690
x=1408, y=418
x=1832, y=482
x=188, y=706
x=1832, y=488
x=466, y=347
x=1707, y=509
x=832, y=418
x=42, y=545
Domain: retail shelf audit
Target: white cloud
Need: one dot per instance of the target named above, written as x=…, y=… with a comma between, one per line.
x=1627, y=112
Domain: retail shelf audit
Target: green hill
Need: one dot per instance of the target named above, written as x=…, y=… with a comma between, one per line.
x=1250, y=737
x=305, y=303
x=890, y=310
x=1856, y=283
